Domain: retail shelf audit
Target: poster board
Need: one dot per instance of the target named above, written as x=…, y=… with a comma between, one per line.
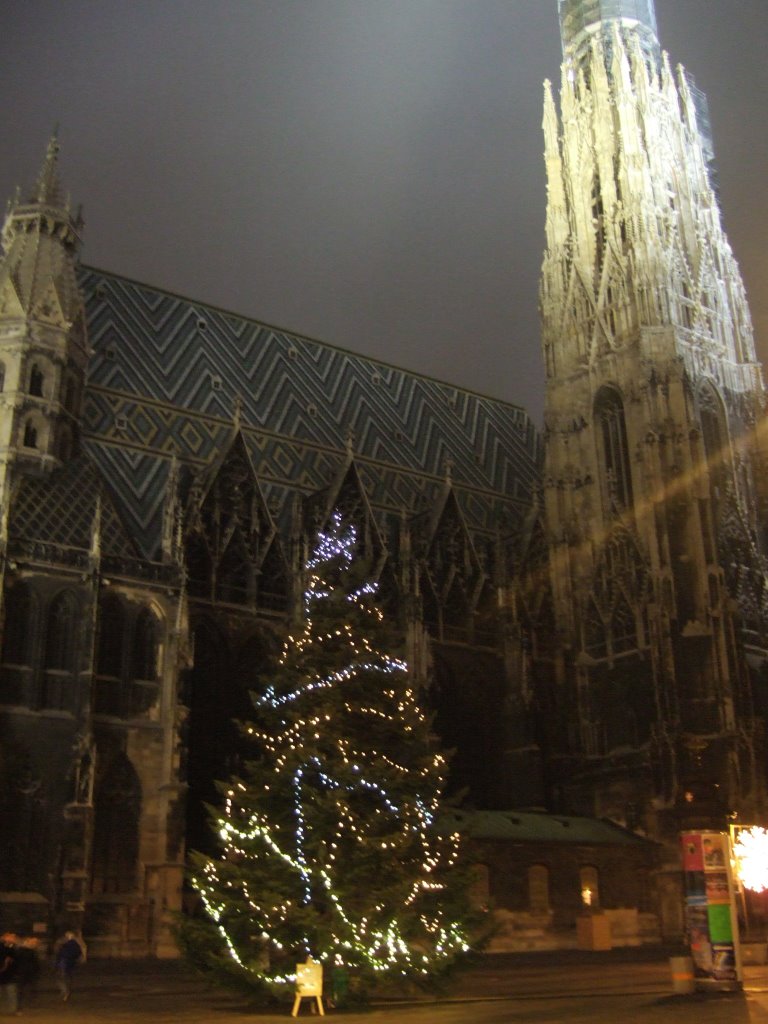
x=710, y=911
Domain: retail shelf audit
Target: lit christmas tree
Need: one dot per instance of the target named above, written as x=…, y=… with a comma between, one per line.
x=330, y=845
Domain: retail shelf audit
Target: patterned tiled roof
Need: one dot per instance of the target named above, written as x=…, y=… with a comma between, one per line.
x=167, y=375
x=65, y=508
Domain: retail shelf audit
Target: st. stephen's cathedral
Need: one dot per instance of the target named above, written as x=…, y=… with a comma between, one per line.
x=585, y=608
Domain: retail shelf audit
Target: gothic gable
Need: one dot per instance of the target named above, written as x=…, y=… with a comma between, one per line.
x=233, y=551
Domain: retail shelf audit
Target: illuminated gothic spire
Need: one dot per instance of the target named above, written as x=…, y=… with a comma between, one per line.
x=582, y=20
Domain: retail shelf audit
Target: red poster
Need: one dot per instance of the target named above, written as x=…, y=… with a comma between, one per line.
x=693, y=853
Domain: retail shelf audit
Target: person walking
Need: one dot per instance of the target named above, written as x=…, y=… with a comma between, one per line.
x=9, y=967
x=28, y=968
x=68, y=956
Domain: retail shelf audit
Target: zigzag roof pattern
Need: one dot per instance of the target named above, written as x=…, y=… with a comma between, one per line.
x=168, y=375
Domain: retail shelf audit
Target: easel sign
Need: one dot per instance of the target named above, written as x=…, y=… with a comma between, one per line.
x=309, y=985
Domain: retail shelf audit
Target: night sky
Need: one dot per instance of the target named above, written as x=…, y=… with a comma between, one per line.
x=365, y=172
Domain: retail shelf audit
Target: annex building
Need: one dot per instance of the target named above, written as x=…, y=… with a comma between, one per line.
x=585, y=610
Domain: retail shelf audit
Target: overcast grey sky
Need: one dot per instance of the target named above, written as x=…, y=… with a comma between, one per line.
x=366, y=172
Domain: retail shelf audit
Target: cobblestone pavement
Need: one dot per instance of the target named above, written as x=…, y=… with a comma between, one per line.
x=620, y=988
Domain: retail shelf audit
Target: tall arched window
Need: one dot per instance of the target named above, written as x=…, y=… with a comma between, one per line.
x=109, y=690
x=715, y=437
x=30, y=435
x=2, y=376
x=17, y=629
x=142, y=686
x=36, y=381
x=109, y=655
x=145, y=647
x=116, y=829
x=60, y=634
x=57, y=689
x=612, y=440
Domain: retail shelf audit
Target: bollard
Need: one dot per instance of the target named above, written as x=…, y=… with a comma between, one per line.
x=682, y=975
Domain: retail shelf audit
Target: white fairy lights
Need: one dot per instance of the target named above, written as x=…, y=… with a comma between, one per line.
x=329, y=846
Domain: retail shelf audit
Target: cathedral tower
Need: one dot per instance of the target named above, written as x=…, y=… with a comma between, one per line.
x=653, y=396
x=43, y=347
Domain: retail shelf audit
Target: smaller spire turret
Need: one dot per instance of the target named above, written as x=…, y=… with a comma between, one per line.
x=48, y=190
x=44, y=351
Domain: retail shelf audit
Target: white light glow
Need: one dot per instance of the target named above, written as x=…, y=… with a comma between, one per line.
x=750, y=853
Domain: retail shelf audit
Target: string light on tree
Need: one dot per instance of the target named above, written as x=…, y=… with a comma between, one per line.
x=329, y=839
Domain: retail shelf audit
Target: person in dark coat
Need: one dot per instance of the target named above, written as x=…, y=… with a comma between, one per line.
x=9, y=973
x=68, y=956
x=28, y=966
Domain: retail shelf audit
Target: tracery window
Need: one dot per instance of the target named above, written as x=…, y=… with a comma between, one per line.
x=612, y=439
x=126, y=686
x=116, y=829
x=59, y=660
x=59, y=646
x=109, y=655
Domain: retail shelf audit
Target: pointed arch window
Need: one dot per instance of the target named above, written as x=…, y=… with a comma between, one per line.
x=16, y=674
x=30, y=435
x=595, y=633
x=199, y=566
x=109, y=657
x=234, y=571
x=36, y=381
x=117, y=812
x=143, y=686
x=60, y=645
x=109, y=689
x=714, y=436
x=59, y=661
x=145, y=643
x=612, y=440
x=2, y=376
x=17, y=630
x=623, y=627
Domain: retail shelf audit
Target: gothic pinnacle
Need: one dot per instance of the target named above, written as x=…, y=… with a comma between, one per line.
x=48, y=189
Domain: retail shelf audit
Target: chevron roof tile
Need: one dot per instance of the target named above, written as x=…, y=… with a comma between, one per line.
x=167, y=374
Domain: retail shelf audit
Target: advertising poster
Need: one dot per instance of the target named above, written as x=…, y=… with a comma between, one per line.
x=709, y=908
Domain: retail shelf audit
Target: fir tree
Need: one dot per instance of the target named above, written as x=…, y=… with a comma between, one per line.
x=329, y=841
